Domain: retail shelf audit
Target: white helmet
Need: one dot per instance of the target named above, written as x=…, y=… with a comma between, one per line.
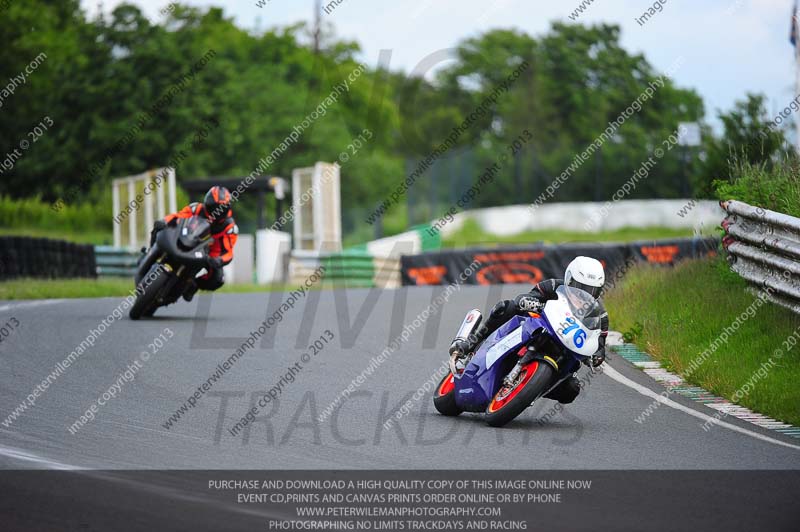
x=586, y=274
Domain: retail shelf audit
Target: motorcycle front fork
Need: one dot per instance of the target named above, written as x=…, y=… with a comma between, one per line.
x=526, y=358
x=529, y=356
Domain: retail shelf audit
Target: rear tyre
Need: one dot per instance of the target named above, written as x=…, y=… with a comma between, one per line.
x=445, y=397
x=146, y=304
x=509, y=402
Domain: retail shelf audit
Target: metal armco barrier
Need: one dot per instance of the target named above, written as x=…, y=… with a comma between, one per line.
x=44, y=258
x=764, y=249
x=119, y=262
x=531, y=264
x=351, y=269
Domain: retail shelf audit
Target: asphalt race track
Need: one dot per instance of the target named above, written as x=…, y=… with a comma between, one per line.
x=598, y=431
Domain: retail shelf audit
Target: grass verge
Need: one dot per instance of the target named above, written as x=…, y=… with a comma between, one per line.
x=471, y=234
x=64, y=288
x=681, y=311
x=95, y=237
x=102, y=287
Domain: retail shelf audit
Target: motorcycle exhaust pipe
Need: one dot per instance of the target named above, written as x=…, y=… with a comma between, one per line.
x=470, y=324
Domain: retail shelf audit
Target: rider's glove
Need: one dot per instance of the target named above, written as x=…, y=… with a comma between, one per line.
x=529, y=304
x=214, y=263
x=158, y=225
x=598, y=358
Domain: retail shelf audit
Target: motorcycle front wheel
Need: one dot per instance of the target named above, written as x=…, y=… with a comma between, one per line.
x=445, y=398
x=146, y=303
x=533, y=380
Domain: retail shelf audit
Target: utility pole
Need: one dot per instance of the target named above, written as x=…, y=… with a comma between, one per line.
x=317, y=25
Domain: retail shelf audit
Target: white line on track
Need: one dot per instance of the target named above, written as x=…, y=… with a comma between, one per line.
x=30, y=304
x=617, y=376
x=25, y=456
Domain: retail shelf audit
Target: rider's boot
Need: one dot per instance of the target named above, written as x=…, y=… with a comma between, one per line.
x=566, y=392
x=190, y=291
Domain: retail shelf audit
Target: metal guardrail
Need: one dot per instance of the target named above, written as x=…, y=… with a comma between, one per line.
x=119, y=262
x=351, y=269
x=764, y=248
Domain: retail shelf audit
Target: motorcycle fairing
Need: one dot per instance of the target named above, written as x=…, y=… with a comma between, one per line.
x=484, y=374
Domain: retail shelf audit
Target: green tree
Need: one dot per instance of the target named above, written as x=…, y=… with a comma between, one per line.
x=748, y=139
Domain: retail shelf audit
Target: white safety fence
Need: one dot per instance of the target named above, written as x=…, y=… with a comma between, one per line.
x=137, y=201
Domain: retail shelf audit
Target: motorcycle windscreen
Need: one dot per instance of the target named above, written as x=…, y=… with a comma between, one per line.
x=575, y=317
x=193, y=232
x=583, y=305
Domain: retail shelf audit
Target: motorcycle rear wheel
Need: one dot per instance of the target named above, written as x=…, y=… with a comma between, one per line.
x=509, y=402
x=445, y=397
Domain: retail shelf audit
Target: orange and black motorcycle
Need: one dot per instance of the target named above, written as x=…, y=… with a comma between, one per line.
x=165, y=271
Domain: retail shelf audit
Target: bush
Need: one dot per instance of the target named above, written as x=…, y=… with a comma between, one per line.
x=773, y=187
x=33, y=213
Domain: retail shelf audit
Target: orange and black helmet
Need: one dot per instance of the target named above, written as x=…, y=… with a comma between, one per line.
x=217, y=202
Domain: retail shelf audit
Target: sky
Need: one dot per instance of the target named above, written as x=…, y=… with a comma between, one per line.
x=729, y=47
